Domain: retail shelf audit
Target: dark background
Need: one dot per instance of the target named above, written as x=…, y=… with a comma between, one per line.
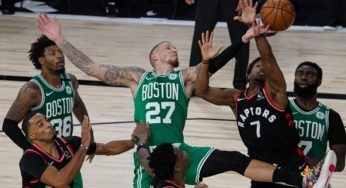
x=308, y=12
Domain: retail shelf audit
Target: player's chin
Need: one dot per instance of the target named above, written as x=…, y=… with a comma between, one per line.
x=261, y=77
x=175, y=63
x=61, y=70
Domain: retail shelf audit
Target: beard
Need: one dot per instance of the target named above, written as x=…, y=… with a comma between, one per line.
x=260, y=81
x=307, y=92
x=175, y=63
x=61, y=71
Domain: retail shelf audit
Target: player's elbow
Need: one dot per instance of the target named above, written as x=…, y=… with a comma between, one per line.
x=201, y=91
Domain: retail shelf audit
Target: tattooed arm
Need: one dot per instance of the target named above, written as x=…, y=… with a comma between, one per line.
x=109, y=74
x=28, y=97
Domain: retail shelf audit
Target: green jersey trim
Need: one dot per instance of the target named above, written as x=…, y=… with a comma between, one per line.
x=305, y=112
x=200, y=165
x=320, y=105
x=62, y=87
x=42, y=95
x=139, y=84
x=183, y=83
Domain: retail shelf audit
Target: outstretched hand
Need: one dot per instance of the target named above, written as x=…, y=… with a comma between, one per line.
x=49, y=27
x=246, y=11
x=85, y=132
x=206, y=46
x=255, y=30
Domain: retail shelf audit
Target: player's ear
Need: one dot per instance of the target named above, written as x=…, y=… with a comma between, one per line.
x=155, y=57
x=32, y=135
x=41, y=60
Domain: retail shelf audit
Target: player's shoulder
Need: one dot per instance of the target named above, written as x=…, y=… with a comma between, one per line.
x=29, y=154
x=30, y=88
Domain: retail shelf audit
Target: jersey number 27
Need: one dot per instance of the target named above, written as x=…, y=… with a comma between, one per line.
x=154, y=110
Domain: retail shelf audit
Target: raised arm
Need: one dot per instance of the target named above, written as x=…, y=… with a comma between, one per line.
x=209, y=53
x=247, y=16
x=275, y=81
x=28, y=97
x=201, y=84
x=110, y=74
x=214, y=95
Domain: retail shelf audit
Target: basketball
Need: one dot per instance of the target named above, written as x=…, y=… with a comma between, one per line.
x=279, y=14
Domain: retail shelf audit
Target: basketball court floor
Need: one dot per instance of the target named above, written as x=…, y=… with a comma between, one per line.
x=127, y=42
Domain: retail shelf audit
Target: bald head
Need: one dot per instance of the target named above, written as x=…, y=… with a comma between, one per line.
x=164, y=56
x=153, y=50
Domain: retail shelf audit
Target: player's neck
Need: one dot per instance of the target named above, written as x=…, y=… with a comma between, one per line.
x=163, y=71
x=48, y=146
x=163, y=68
x=307, y=104
x=252, y=89
x=52, y=79
x=179, y=179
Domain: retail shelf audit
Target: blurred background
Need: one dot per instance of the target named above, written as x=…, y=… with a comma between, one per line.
x=308, y=12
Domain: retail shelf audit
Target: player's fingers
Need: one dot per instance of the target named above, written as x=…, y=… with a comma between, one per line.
x=256, y=4
x=207, y=36
x=199, y=43
x=238, y=18
x=202, y=38
x=211, y=38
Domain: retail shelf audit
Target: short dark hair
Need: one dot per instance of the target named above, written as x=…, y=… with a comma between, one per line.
x=162, y=160
x=26, y=124
x=37, y=49
x=251, y=65
x=152, y=50
x=314, y=65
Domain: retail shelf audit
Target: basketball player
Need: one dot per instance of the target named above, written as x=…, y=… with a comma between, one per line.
x=169, y=165
x=161, y=98
x=52, y=161
x=263, y=115
x=52, y=92
x=316, y=123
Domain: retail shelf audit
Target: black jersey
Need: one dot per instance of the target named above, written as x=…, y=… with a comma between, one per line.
x=166, y=184
x=35, y=161
x=267, y=130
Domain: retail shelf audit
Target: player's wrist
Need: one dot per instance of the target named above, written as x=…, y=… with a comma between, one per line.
x=84, y=147
x=205, y=61
x=142, y=146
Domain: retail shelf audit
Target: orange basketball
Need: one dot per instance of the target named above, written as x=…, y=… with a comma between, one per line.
x=279, y=14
